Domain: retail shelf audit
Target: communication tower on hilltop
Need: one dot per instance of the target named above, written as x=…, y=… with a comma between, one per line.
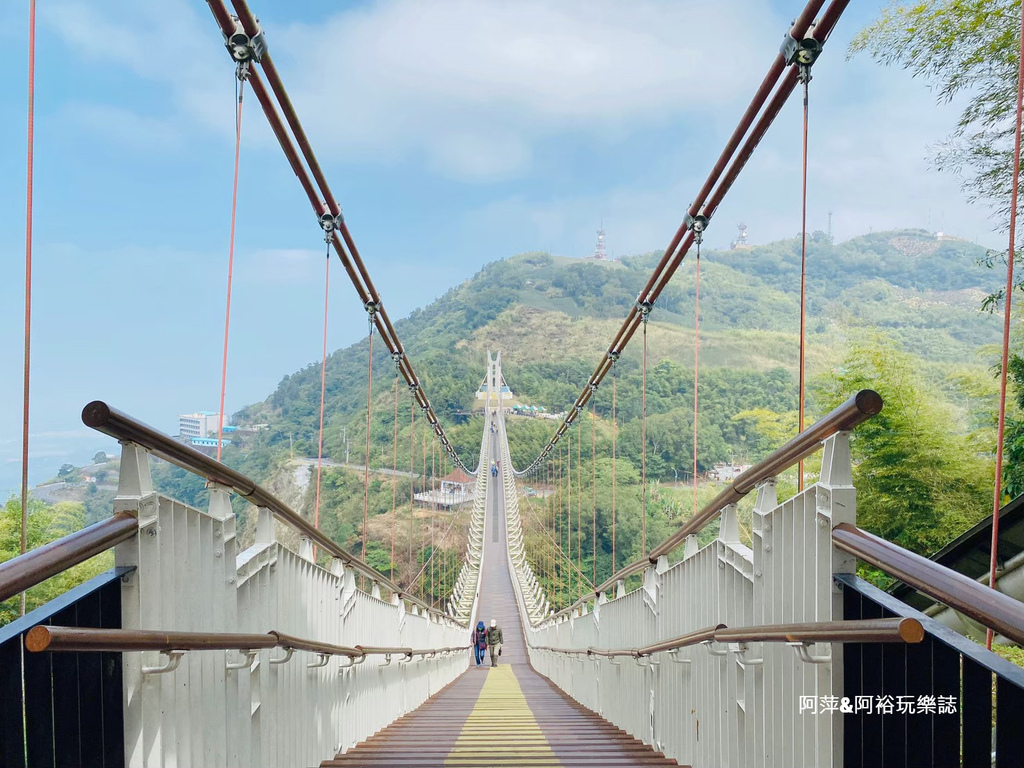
x=741, y=238
x=599, y=251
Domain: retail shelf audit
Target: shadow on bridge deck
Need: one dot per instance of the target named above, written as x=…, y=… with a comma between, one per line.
x=505, y=716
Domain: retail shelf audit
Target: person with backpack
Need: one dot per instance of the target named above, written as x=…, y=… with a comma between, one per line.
x=494, y=641
x=479, y=642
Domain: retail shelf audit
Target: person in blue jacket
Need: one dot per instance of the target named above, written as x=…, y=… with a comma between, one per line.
x=479, y=641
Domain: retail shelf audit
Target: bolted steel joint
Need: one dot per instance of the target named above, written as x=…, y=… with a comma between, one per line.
x=614, y=356
x=803, y=53
x=372, y=308
x=698, y=225
x=397, y=357
x=243, y=48
x=644, y=308
x=592, y=386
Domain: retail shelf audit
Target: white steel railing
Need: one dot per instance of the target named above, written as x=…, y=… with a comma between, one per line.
x=463, y=602
x=261, y=707
x=709, y=703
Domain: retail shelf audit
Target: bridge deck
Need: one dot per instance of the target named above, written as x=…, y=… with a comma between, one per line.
x=505, y=716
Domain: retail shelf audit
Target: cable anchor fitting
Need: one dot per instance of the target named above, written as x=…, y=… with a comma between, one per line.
x=697, y=224
x=245, y=49
x=803, y=53
x=329, y=223
x=372, y=308
x=644, y=308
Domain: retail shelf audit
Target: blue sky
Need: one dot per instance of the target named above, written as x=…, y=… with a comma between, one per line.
x=453, y=133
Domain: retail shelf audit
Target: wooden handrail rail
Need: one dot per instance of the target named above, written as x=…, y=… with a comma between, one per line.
x=898, y=630
x=992, y=608
x=79, y=639
x=110, y=421
x=856, y=410
x=36, y=566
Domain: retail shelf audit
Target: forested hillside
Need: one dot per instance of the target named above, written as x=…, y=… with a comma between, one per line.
x=896, y=311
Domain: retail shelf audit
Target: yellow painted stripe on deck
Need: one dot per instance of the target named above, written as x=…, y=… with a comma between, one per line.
x=501, y=726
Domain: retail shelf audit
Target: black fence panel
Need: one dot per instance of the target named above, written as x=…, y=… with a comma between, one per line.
x=71, y=713
x=930, y=703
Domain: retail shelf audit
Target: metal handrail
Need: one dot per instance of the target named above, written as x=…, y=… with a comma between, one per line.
x=898, y=630
x=77, y=639
x=992, y=608
x=859, y=408
x=110, y=421
x=27, y=570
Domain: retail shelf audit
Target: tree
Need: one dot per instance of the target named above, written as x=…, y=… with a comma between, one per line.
x=65, y=470
x=45, y=523
x=1013, y=447
x=100, y=458
x=967, y=47
x=919, y=483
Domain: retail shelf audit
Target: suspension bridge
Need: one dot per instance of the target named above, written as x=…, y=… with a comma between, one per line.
x=713, y=648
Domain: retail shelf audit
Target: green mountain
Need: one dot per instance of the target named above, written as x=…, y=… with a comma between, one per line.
x=897, y=311
x=553, y=317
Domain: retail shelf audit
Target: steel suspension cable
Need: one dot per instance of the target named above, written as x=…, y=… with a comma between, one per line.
x=579, y=507
x=29, y=188
x=323, y=390
x=240, y=88
x=614, y=515
x=696, y=371
x=353, y=264
x=643, y=448
x=366, y=469
x=423, y=489
x=593, y=485
x=734, y=157
x=394, y=477
x=1005, y=359
x=803, y=283
x=433, y=516
x=412, y=482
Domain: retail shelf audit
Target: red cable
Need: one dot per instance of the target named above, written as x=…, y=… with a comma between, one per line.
x=323, y=389
x=568, y=509
x=1014, y=192
x=366, y=469
x=593, y=485
x=643, y=450
x=394, y=481
x=614, y=377
x=28, y=276
x=803, y=290
x=579, y=507
x=412, y=481
x=433, y=517
x=696, y=370
x=231, y=264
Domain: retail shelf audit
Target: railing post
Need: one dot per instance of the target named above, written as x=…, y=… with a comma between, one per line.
x=264, y=526
x=835, y=502
x=729, y=528
x=135, y=495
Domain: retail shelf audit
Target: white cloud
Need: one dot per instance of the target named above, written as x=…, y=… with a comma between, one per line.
x=474, y=87
x=466, y=88
x=168, y=42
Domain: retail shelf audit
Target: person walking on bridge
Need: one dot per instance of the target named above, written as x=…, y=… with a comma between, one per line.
x=494, y=641
x=479, y=641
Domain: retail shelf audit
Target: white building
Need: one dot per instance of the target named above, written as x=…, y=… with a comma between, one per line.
x=200, y=424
